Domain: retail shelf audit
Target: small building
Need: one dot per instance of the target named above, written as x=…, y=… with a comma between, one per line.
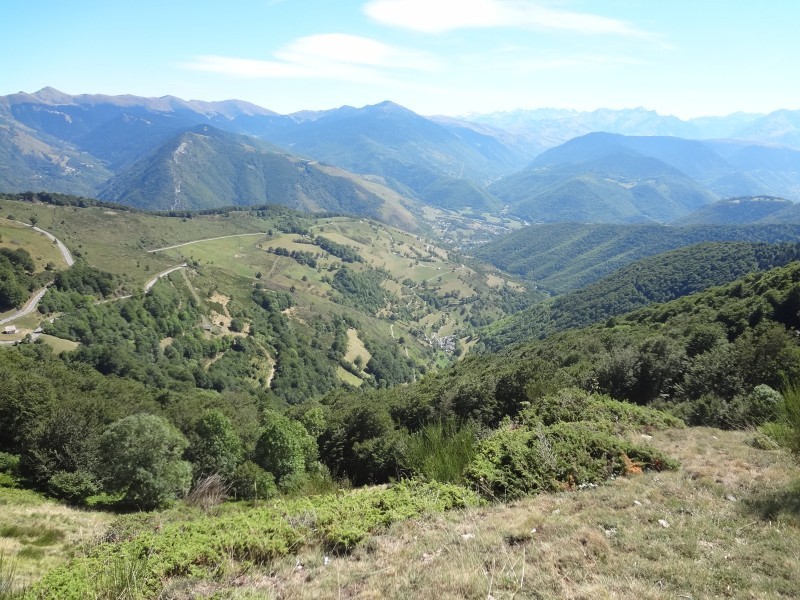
x=10, y=329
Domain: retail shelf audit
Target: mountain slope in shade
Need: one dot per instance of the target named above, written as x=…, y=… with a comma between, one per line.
x=443, y=163
x=31, y=162
x=120, y=129
x=205, y=168
x=741, y=211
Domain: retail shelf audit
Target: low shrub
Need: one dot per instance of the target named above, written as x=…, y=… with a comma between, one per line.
x=570, y=405
x=251, y=482
x=9, y=463
x=74, y=487
x=519, y=460
x=143, y=550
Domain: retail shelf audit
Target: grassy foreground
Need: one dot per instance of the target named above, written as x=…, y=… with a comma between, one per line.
x=727, y=524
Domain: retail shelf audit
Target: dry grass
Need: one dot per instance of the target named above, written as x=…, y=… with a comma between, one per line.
x=725, y=525
x=356, y=347
x=38, y=535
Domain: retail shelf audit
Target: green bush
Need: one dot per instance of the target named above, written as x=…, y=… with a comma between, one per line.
x=251, y=482
x=9, y=463
x=142, y=460
x=214, y=448
x=143, y=550
x=285, y=448
x=74, y=487
x=516, y=460
x=573, y=404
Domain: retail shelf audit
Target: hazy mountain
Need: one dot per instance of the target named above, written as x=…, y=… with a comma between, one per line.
x=119, y=129
x=416, y=155
x=99, y=145
x=444, y=164
x=606, y=178
x=554, y=126
x=205, y=167
x=740, y=211
x=779, y=127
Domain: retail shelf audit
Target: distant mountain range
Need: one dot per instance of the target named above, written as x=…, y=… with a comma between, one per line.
x=604, y=177
x=555, y=126
x=386, y=161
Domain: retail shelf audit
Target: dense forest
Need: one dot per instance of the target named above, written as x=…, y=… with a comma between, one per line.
x=566, y=256
x=659, y=278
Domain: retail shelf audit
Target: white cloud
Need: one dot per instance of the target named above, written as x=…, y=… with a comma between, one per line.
x=439, y=16
x=329, y=56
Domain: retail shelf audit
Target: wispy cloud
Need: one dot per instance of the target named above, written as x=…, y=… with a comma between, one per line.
x=439, y=16
x=329, y=56
x=518, y=60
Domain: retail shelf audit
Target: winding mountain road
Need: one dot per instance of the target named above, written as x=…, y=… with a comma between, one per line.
x=155, y=279
x=64, y=250
x=29, y=307
x=222, y=237
x=33, y=302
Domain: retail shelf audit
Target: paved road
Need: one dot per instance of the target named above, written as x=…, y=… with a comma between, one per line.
x=155, y=279
x=31, y=305
x=28, y=308
x=64, y=250
x=223, y=237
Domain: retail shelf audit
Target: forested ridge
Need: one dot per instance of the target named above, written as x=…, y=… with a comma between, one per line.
x=566, y=256
x=659, y=278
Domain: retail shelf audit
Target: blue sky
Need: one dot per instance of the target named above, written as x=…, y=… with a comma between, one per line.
x=681, y=57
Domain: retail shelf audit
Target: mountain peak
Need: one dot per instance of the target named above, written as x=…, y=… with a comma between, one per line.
x=51, y=95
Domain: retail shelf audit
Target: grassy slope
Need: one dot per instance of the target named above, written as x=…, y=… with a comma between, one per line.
x=732, y=510
x=118, y=241
x=734, y=531
x=37, y=535
x=43, y=251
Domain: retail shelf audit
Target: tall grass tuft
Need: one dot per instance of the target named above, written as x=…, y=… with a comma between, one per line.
x=791, y=415
x=124, y=577
x=9, y=589
x=441, y=451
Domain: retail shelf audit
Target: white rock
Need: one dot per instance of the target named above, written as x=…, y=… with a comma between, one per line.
x=663, y=523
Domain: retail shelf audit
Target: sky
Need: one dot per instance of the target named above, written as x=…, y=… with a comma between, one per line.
x=686, y=58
